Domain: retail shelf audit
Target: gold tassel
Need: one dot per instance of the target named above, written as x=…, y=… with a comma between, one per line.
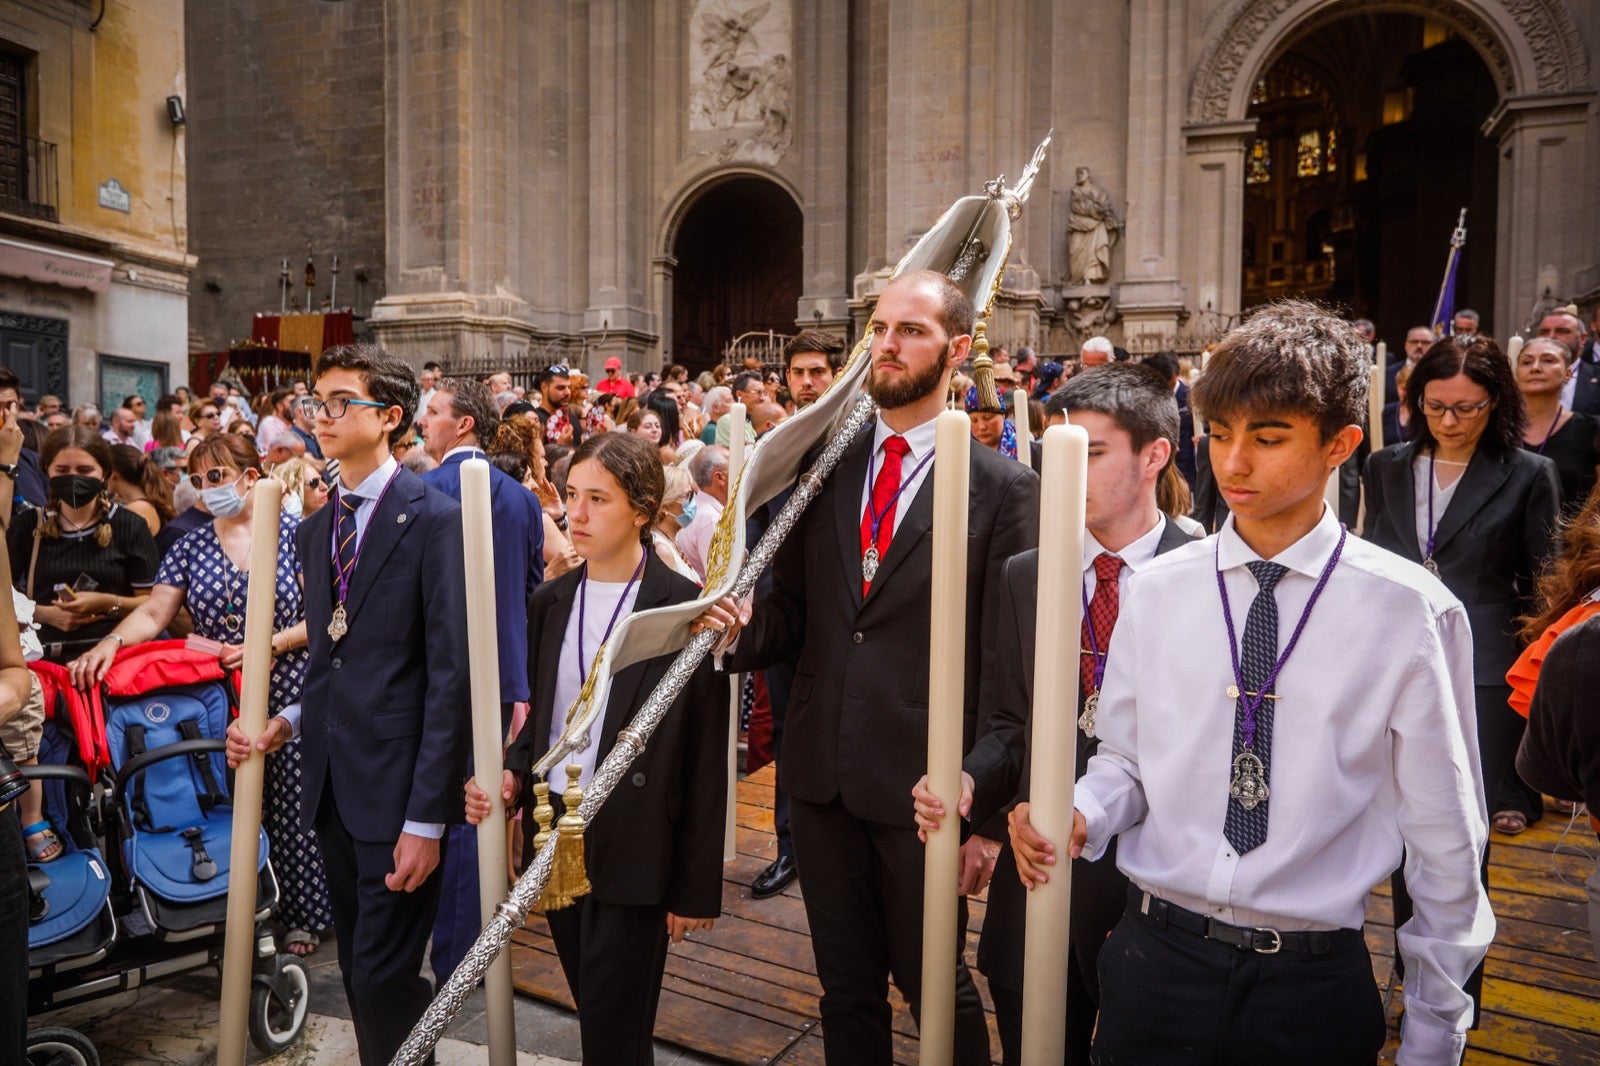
x=983, y=372
x=569, y=878
x=544, y=817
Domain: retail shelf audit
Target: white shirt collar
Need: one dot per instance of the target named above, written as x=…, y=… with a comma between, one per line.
x=919, y=438
x=470, y=449
x=373, y=485
x=1308, y=555
x=1135, y=556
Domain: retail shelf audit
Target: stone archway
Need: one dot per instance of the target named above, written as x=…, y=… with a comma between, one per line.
x=730, y=262
x=1545, y=236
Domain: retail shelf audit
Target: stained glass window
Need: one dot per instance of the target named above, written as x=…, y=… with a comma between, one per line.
x=1332, y=159
x=1309, y=161
x=1260, y=94
x=1258, y=163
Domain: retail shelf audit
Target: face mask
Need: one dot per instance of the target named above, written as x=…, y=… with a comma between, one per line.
x=75, y=490
x=690, y=506
x=292, y=505
x=223, y=501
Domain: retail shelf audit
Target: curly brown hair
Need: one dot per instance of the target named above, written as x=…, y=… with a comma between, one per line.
x=1572, y=575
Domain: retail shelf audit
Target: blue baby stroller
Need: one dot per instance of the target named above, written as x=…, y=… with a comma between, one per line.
x=155, y=796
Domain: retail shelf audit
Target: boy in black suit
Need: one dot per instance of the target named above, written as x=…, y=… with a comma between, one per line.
x=1133, y=422
x=386, y=725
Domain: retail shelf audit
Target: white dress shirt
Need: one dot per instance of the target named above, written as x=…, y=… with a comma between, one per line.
x=920, y=439
x=1374, y=744
x=601, y=602
x=1135, y=557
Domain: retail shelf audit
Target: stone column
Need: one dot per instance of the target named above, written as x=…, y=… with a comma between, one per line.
x=1213, y=218
x=822, y=44
x=451, y=76
x=1151, y=296
x=618, y=320
x=1546, y=225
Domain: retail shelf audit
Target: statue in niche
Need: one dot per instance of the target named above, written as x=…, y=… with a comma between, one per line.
x=1092, y=230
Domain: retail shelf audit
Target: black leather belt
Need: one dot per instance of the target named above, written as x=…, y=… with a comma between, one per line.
x=1261, y=940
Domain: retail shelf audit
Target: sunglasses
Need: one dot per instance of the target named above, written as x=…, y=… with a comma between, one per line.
x=213, y=476
x=316, y=483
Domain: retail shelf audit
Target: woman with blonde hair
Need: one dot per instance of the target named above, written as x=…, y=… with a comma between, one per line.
x=677, y=511
x=305, y=489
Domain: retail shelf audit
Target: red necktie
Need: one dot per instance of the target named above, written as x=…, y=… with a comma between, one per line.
x=1103, y=615
x=885, y=497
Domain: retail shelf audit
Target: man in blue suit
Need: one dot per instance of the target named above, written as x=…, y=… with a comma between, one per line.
x=459, y=419
x=385, y=732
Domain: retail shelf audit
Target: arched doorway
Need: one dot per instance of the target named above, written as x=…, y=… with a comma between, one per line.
x=1541, y=230
x=1368, y=141
x=738, y=268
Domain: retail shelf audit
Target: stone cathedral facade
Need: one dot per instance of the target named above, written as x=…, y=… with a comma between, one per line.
x=534, y=180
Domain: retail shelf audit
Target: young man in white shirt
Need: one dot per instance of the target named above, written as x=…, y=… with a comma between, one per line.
x=1263, y=772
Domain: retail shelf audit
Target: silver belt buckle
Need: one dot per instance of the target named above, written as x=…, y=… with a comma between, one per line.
x=1277, y=942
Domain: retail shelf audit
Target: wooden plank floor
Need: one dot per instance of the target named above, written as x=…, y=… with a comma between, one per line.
x=747, y=991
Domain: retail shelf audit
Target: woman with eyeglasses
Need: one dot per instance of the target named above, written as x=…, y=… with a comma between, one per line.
x=1566, y=437
x=1466, y=500
x=305, y=489
x=207, y=572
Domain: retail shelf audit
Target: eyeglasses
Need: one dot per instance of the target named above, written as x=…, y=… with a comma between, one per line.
x=210, y=414
x=335, y=406
x=1464, y=412
x=559, y=370
x=213, y=476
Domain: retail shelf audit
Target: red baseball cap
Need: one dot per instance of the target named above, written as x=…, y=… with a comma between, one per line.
x=613, y=363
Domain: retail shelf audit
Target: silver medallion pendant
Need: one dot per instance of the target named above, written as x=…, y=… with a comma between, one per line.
x=1249, y=784
x=340, y=624
x=1429, y=565
x=869, y=563
x=1086, y=719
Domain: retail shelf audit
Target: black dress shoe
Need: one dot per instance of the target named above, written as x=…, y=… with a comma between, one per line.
x=775, y=878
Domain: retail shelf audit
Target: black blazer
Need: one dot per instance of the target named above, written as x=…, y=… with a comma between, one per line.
x=387, y=712
x=1586, y=391
x=1000, y=770
x=1560, y=752
x=857, y=725
x=1489, y=543
x=658, y=838
x=998, y=762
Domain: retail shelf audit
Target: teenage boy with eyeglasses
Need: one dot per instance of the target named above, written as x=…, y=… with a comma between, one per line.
x=385, y=728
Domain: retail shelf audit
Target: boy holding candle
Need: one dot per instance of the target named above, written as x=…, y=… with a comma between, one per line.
x=1258, y=785
x=1132, y=419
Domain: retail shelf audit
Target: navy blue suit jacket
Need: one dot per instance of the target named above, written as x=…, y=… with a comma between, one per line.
x=518, y=563
x=387, y=719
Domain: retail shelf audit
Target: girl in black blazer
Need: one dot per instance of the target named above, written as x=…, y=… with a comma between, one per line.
x=654, y=850
x=1463, y=498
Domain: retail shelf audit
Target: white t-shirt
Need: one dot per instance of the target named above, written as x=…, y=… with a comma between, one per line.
x=598, y=600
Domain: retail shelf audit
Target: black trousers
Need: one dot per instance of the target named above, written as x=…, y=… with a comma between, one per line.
x=383, y=936
x=613, y=957
x=1500, y=732
x=13, y=940
x=780, y=681
x=863, y=882
x=1170, y=998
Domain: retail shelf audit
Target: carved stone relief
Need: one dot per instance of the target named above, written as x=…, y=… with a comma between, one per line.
x=1559, y=64
x=741, y=79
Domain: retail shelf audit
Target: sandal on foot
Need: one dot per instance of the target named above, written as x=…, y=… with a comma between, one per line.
x=301, y=942
x=1510, y=823
x=48, y=848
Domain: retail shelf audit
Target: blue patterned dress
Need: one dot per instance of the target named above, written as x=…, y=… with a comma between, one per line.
x=216, y=592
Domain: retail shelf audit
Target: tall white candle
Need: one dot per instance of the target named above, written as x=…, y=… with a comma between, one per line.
x=730, y=833
x=1019, y=413
x=1514, y=349
x=1375, y=406
x=1054, y=737
x=239, y=939
x=1383, y=354
x=946, y=670
x=483, y=662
